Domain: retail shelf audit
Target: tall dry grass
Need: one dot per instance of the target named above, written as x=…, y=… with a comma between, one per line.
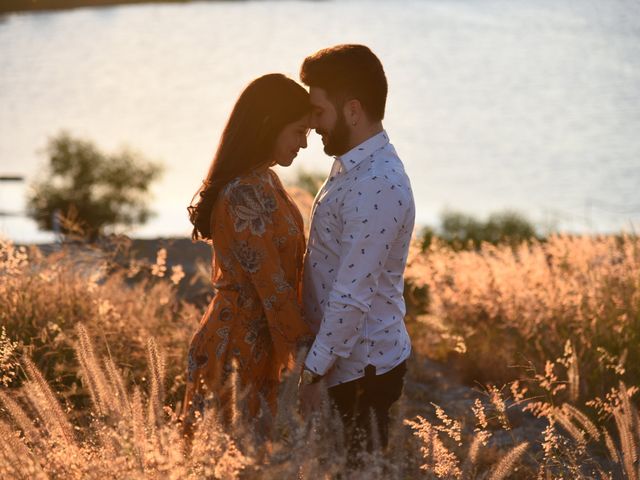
x=504, y=306
x=92, y=366
x=43, y=297
x=133, y=435
x=129, y=437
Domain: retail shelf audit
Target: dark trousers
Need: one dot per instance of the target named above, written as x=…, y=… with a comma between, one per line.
x=365, y=403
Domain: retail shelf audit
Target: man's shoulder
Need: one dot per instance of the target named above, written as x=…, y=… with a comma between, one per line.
x=385, y=167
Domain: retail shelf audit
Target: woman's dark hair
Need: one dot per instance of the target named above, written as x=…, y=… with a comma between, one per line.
x=264, y=108
x=348, y=71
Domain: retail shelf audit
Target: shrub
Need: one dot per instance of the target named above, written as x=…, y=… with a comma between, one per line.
x=309, y=181
x=462, y=232
x=92, y=189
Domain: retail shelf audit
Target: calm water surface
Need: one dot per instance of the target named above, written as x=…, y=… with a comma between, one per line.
x=493, y=104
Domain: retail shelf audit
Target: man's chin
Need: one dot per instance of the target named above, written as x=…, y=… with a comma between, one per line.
x=332, y=151
x=333, y=146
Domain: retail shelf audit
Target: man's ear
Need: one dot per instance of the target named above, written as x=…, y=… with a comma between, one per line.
x=352, y=111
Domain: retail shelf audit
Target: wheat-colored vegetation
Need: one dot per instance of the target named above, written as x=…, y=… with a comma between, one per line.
x=507, y=307
x=93, y=348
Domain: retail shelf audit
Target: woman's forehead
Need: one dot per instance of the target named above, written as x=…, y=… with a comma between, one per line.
x=302, y=122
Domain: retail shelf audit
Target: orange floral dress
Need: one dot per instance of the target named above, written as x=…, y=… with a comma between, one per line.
x=255, y=316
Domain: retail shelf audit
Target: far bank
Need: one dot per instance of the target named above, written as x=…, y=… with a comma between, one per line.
x=13, y=6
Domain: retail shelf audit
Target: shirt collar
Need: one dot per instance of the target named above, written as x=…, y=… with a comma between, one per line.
x=358, y=153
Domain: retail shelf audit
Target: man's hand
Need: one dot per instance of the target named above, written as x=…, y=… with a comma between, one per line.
x=310, y=397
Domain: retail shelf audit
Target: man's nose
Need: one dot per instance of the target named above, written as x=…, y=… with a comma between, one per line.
x=313, y=124
x=303, y=144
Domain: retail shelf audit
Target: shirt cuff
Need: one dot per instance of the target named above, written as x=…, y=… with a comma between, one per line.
x=319, y=359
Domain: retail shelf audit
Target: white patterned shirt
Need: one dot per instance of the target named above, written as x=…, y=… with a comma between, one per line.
x=361, y=226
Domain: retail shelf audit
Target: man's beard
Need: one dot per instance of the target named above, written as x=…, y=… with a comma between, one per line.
x=337, y=140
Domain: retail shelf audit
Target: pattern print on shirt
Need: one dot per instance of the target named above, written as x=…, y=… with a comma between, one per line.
x=362, y=223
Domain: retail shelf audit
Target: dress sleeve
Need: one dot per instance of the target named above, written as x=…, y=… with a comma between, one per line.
x=246, y=233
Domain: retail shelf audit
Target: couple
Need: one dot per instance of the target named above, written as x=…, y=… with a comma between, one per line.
x=342, y=295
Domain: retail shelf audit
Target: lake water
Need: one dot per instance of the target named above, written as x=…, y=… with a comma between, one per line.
x=493, y=104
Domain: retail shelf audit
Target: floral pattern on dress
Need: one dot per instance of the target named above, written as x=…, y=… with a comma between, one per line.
x=195, y=361
x=269, y=302
x=223, y=333
x=252, y=207
x=225, y=314
x=294, y=228
x=280, y=282
x=259, y=337
x=254, y=319
x=247, y=296
x=248, y=257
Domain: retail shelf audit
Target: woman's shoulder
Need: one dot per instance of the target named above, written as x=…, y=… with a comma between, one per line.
x=247, y=190
x=249, y=201
x=247, y=184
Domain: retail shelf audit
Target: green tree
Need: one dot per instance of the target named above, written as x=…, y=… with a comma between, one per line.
x=309, y=181
x=462, y=231
x=94, y=189
x=508, y=227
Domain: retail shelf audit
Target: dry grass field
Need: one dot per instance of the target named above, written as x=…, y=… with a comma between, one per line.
x=93, y=346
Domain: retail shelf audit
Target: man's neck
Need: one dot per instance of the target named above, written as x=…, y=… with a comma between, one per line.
x=363, y=134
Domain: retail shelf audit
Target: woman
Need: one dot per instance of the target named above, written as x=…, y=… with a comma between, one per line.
x=254, y=319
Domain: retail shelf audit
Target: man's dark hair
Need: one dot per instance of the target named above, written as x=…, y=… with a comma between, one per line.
x=346, y=72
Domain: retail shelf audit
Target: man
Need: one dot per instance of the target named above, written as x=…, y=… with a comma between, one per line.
x=362, y=221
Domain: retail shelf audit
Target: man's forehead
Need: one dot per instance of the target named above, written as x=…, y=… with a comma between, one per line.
x=318, y=96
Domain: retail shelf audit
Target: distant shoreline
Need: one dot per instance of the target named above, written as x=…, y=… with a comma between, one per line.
x=16, y=6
